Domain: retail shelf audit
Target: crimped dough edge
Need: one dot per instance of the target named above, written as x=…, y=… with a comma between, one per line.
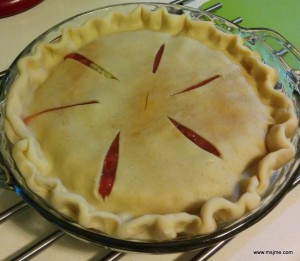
x=26, y=150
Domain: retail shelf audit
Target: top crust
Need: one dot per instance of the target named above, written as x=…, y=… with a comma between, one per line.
x=165, y=184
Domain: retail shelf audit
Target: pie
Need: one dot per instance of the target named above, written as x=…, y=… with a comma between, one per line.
x=146, y=125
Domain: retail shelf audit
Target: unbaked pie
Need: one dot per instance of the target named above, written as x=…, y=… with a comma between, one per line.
x=147, y=124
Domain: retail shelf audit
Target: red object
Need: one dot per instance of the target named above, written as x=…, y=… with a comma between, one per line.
x=27, y=119
x=157, y=58
x=109, y=168
x=200, y=84
x=196, y=139
x=12, y=7
x=79, y=58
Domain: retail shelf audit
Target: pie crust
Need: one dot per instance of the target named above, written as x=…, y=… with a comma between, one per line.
x=159, y=86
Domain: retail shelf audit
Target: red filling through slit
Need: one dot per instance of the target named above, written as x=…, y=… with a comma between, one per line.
x=157, y=58
x=27, y=119
x=109, y=168
x=200, y=84
x=79, y=58
x=85, y=61
x=196, y=139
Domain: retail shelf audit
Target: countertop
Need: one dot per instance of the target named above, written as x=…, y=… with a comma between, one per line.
x=278, y=231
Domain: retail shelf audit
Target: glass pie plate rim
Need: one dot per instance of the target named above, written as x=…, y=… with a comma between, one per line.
x=261, y=40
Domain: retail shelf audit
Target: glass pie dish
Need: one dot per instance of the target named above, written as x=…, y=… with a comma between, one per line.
x=275, y=51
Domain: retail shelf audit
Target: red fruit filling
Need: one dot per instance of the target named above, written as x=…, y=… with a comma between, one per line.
x=79, y=58
x=109, y=169
x=157, y=58
x=196, y=139
x=200, y=84
x=27, y=119
x=85, y=61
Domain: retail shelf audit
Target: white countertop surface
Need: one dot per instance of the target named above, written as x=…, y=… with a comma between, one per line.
x=278, y=231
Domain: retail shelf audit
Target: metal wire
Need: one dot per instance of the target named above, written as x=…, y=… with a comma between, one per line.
x=112, y=256
x=205, y=253
x=181, y=2
x=12, y=211
x=39, y=246
x=213, y=7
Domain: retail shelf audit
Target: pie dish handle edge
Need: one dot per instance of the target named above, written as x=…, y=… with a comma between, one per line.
x=5, y=179
x=295, y=180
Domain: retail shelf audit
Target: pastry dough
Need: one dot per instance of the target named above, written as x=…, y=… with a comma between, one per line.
x=146, y=125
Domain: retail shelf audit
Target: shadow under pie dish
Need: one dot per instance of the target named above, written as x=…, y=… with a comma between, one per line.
x=146, y=125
